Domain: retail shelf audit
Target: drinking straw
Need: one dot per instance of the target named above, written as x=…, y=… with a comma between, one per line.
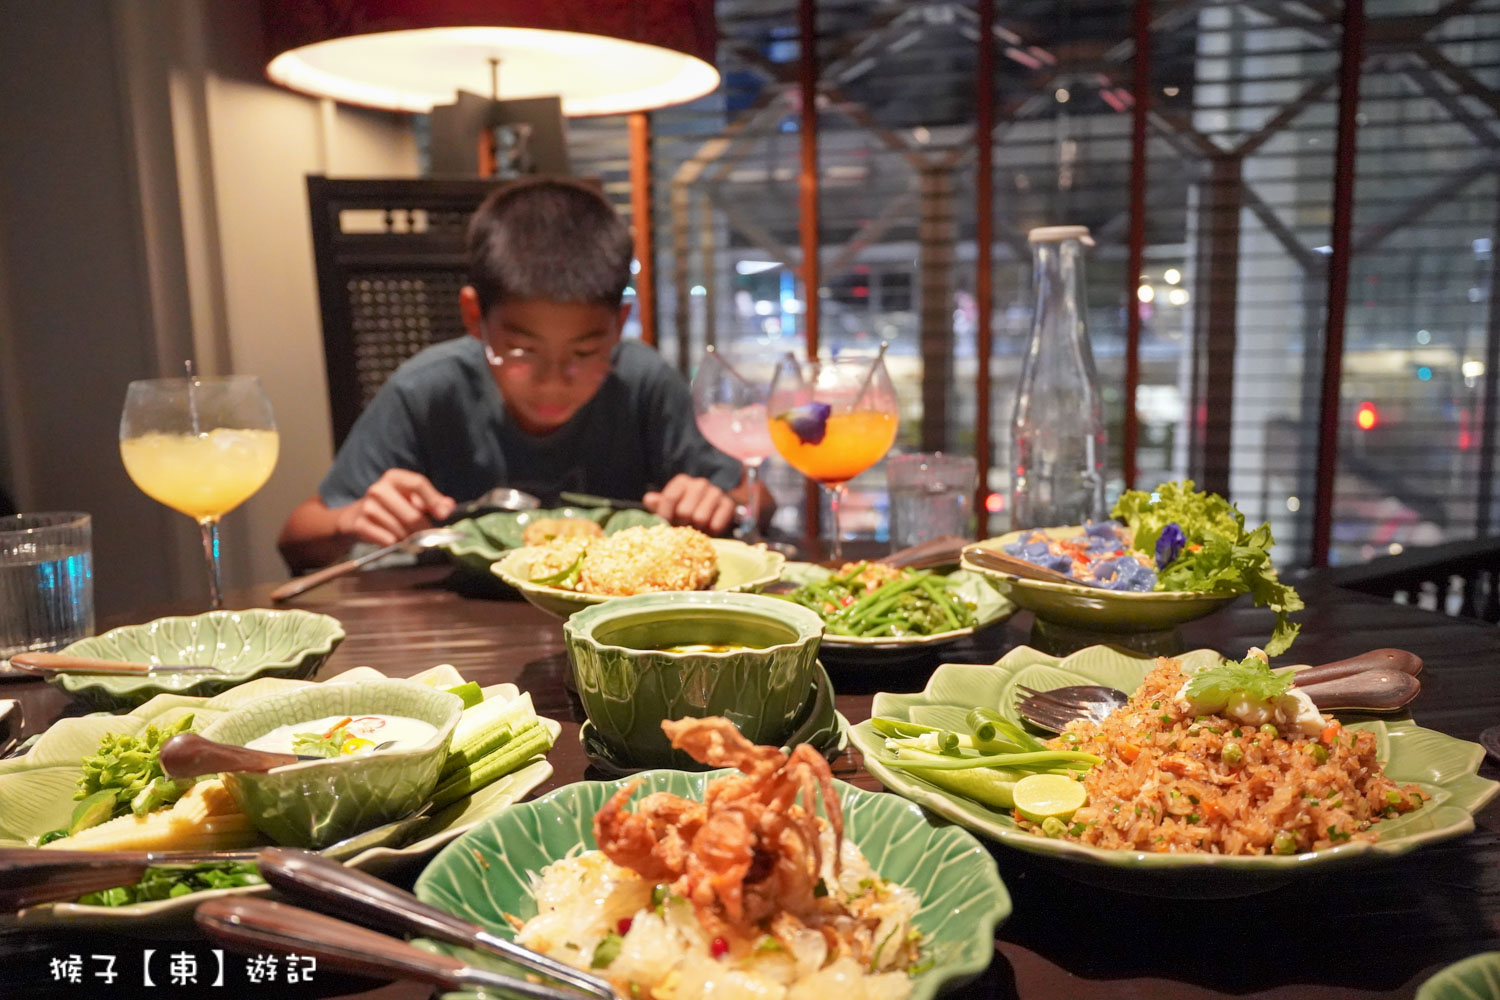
x=869, y=376
x=192, y=395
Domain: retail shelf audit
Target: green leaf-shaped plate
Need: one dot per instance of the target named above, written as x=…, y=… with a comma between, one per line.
x=1475, y=978
x=36, y=795
x=489, y=536
x=741, y=568
x=990, y=608
x=1446, y=768
x=486, y=873
x=276, y=642
x=1094, y=607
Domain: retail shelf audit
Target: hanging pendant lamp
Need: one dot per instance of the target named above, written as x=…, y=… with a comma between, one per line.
x=601, y=57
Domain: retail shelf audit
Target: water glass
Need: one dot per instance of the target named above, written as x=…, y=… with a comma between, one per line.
x=46, y=581
x=931, y=495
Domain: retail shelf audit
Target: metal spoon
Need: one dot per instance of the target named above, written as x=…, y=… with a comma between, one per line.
x=188, y=755
x=29, y=876
x=1382, y=680
x=425, y=539
x=363, y=897
x=499, y=498
x=258, y=925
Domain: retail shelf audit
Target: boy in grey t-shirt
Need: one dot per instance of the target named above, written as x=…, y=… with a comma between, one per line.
x=543, y=395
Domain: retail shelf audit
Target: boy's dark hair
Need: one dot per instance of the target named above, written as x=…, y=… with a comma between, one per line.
x=548, y=239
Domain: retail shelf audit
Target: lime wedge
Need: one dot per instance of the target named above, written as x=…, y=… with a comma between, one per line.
x=1040, y=796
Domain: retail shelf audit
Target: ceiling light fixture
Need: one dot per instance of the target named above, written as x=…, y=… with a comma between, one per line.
x=601, y=57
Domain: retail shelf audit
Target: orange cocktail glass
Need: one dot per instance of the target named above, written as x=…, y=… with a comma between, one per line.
x=832, y=420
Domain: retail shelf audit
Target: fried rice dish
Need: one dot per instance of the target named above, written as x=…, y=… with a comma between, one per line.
x=1282, y=779
x=749, y=893
x=636, y=560
x=545, y=529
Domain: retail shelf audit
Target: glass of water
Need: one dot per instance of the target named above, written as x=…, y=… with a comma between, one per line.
x=46, y=582
x=932, y=495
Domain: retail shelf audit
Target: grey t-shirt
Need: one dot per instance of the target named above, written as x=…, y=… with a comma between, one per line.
x=442, y=415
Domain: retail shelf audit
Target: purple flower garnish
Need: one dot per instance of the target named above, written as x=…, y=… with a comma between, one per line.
x=808, y=421
x=1169, y=544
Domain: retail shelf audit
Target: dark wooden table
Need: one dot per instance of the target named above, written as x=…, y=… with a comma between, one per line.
x=1374, y=932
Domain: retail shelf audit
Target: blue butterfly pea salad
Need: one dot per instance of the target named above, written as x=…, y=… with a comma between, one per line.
x=1173, y=538
x=1100, y=557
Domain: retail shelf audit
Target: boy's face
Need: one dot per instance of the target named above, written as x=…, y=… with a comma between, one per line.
x=548, y=358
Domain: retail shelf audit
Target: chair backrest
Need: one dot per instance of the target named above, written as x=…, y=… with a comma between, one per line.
x=390, y=259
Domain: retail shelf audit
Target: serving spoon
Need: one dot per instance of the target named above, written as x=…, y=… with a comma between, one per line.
x=29, y=876
x=426, y=538
x=362, y=897
x=1381, y=680
x=188, y=755
x=254, y=926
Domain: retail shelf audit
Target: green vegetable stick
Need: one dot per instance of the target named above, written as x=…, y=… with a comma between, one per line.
x=980, y=784
x=1005, y=760
x=493, y=767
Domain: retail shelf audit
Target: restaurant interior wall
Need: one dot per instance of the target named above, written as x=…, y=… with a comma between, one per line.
x=154, y=206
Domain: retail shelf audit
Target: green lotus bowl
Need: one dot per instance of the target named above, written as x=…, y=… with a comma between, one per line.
x=1080, y=606
x=486, y=873
x=1475, y=978
x=488, y=537
x=741, y=568
x=629, y=683
x=260, y=642
x=314, y=803
x=1442, y=766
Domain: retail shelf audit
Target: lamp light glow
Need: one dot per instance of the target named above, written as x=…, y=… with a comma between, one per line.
x=600, y=58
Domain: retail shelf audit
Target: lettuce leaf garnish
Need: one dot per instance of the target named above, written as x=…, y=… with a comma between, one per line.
x=1219, y=556
x=1212, y=689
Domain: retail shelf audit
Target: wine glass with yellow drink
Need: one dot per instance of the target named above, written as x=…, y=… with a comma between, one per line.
x=832, y=420
x=201, y=446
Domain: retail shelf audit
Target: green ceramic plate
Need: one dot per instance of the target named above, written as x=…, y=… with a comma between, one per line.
x=36, y=794
x=1475, y=978
x=1442, y=766
x=741, y=568
x=991, y=607
x=486, y=873
x=489, y=536
x=243, y=644
x=1094, y=607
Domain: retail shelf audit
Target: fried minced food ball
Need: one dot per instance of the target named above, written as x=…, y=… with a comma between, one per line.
x=555, y=556
x=641, y=560
x=545, y=529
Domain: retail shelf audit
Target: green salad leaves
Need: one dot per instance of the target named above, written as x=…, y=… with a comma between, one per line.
x=1220, y=555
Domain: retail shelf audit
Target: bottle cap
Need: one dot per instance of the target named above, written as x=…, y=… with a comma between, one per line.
x=1056, y=234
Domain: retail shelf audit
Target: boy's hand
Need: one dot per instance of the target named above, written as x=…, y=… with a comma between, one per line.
x=399, y=502
x=692, y=501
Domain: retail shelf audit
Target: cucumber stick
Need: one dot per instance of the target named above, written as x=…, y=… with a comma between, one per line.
x=485, y=728
x=473, y=776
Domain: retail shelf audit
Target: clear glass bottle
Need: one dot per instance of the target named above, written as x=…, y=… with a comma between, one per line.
x=1057, y=427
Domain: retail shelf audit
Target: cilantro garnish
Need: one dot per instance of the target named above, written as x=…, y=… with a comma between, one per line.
x=1213, y=689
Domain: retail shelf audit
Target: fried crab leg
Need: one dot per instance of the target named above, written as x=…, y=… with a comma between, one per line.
x=749, y=850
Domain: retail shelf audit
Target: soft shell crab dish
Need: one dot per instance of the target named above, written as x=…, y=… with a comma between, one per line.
x=748, y=893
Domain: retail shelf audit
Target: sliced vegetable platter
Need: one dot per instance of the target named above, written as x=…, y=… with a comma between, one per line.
x=872, y=630
x=488, y=537
x=37, y=791
x=1442, y=766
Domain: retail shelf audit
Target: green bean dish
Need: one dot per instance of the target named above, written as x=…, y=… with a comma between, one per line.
x=872, y=600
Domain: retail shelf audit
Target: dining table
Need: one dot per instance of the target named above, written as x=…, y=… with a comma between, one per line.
x=1375, y=930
